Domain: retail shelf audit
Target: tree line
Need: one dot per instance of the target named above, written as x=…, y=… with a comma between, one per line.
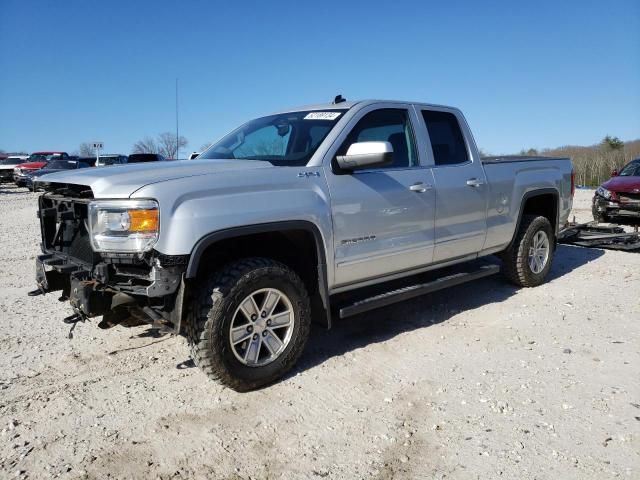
x=165, y=144
x=594, y=164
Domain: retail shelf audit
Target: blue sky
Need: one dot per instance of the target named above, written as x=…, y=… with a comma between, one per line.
x=526, y=74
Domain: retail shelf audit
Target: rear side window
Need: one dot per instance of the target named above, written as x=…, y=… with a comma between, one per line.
x=446, y=137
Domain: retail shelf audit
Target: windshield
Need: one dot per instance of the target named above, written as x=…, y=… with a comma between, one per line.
x=62, y=165
x=11, y=161
x=288, y=139
x=631, y=170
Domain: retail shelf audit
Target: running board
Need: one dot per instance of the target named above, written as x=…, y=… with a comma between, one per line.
x=412, y=291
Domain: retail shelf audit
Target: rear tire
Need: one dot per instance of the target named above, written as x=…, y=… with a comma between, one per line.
x=527, y=262
x=231, y=347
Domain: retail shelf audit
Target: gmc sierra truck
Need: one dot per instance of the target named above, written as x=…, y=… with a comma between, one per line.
x=308, y=214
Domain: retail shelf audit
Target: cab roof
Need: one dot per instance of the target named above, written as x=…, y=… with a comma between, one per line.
x=346, y=105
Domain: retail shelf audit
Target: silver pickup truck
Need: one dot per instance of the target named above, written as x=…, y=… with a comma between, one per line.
x=308, y=214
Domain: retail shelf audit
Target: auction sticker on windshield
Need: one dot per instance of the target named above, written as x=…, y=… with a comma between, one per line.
x=322, y=115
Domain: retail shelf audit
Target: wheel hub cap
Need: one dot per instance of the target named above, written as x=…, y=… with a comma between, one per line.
x=539, y=252
x=261, y=327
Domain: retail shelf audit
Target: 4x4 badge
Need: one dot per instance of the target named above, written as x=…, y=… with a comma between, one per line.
x=308, y=174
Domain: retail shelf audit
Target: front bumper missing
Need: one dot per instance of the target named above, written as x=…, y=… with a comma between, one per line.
x=92, y=293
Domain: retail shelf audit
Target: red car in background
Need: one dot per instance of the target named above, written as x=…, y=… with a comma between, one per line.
x=618, y=199
x=36, y=161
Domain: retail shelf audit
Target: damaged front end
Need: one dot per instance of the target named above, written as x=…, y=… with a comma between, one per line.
x=124, y=288
x=623, y=207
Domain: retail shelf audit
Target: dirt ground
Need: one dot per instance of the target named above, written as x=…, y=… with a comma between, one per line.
x=482, y=381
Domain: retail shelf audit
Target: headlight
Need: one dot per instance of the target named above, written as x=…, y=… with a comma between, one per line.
x=603, y=192
x=123, y=225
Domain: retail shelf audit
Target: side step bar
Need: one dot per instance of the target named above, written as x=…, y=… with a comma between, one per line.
x=412, y=291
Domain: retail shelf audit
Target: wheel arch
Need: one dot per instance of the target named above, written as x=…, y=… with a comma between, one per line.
x=297, y=234
x=543, y=201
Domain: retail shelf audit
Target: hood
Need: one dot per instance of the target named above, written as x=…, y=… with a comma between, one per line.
x=32, y=165
x=630, y=184
x=121, y=182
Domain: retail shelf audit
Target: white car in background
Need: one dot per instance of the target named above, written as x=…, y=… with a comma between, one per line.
x=8, y=164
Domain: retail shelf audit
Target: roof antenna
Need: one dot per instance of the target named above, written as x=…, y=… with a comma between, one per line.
x=339, y=99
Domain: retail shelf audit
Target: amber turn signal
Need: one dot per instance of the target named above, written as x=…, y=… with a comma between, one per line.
x=143, y=220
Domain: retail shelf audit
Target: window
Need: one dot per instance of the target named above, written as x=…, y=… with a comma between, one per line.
x=263, y=142
x=631, y=170
x=386, y=125
x=288, y=139
x=446, y=137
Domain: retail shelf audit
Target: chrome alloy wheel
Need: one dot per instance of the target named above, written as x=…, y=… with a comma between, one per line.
x=261, y=327
x=539, y=252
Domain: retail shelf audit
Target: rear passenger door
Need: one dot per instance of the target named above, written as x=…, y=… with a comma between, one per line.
x=460, y=185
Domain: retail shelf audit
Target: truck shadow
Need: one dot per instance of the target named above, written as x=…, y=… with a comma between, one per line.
x=383, y=324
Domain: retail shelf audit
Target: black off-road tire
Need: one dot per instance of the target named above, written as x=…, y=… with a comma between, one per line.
x=215, y=300
x=515, y=260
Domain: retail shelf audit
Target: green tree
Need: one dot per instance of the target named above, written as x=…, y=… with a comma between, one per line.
x=532, y=152
x=612, y=143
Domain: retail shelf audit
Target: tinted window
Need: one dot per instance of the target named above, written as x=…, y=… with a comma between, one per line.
x=62, y=165
x=446, y=137
x=11, y=161
x=631, y=170
x=144, y=157
x=386, y=125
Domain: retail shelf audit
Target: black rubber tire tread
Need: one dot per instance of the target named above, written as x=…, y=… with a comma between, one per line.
x=515, y=265
x=214, y=301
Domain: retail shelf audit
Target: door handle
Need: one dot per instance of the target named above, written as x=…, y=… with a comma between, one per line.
x=420, y=187
x=474, y=182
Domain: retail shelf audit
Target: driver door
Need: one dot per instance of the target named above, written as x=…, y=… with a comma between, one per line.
x=383, y=217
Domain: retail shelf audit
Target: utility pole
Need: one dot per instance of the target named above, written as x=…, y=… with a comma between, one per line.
x=177, y=131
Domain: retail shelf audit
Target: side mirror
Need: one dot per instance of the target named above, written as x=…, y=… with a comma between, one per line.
x=614, y=173
x=366, y=155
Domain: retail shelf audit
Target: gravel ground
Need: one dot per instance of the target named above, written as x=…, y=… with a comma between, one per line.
x=478, y=382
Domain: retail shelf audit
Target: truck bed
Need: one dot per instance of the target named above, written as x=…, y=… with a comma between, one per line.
x=510, y=179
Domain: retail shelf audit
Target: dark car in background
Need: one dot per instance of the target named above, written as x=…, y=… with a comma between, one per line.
x=52, y=167
x=91, y=161
x=146, y=157
x=618, y=199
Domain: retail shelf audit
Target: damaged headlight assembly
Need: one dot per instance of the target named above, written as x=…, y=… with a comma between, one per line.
x=125, y=226
x=604, y=193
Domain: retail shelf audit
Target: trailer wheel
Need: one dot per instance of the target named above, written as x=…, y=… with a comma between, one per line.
x=249, y=323
x=527, y=262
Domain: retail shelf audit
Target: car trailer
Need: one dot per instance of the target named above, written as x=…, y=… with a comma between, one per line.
x=600, y=235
